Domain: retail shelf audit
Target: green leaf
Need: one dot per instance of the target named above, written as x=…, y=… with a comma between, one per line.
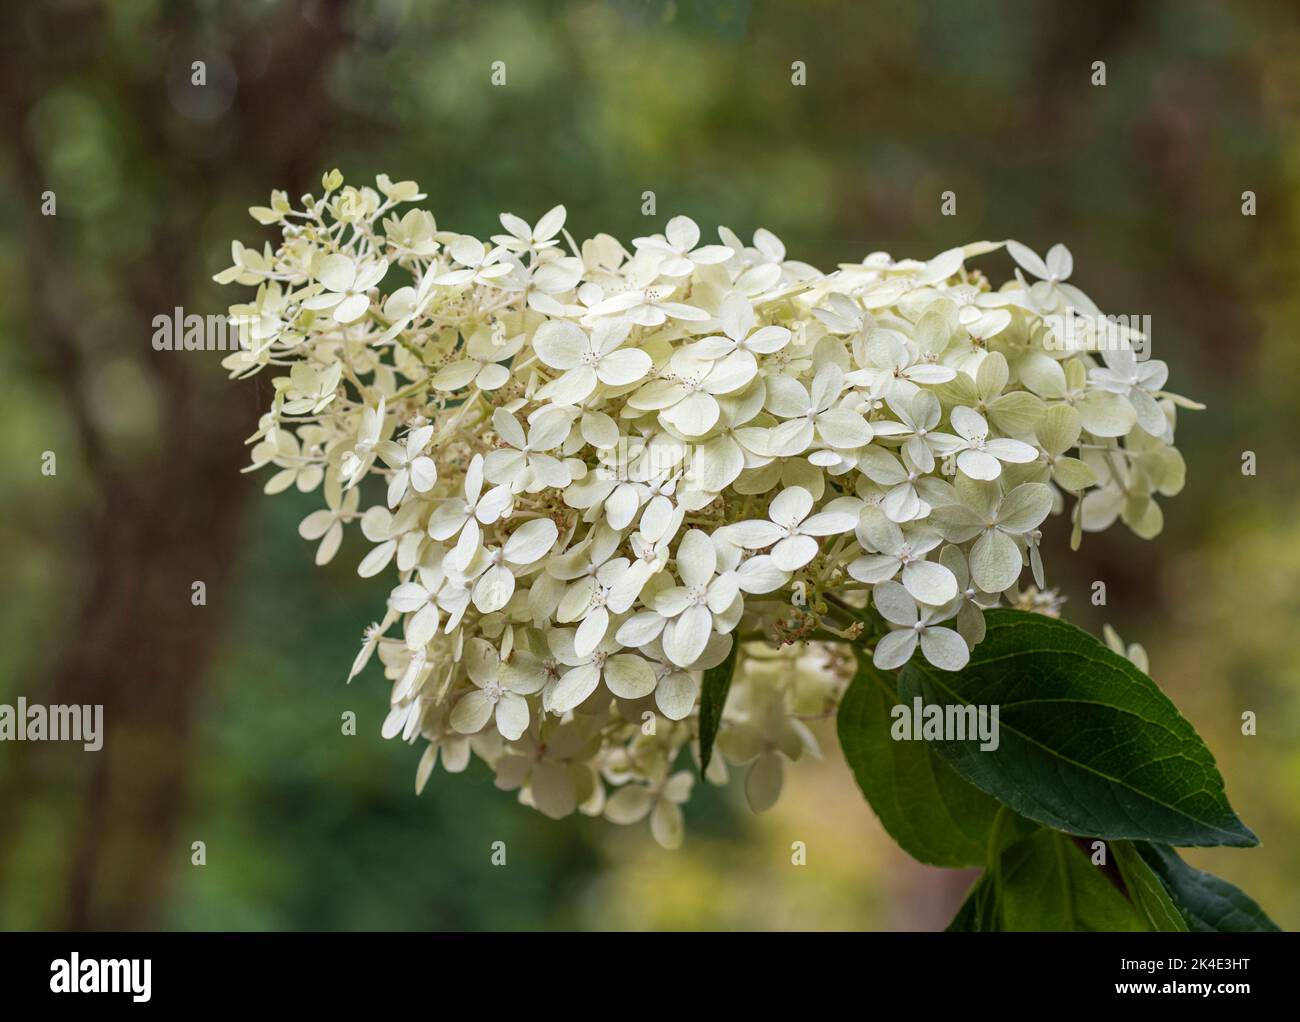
x=1207, y=903
x=934, y=815
x=978, y=913
x=713, y=697
x=1146, y=891
x=1048, y=883
x=1088, y=743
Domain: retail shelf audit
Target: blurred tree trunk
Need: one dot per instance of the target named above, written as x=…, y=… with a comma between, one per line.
x=136, y=643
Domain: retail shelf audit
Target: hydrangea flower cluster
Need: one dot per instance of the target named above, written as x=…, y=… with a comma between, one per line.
x=603, y=467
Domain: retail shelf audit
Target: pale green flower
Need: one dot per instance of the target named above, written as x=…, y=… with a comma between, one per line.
x=1000, y=521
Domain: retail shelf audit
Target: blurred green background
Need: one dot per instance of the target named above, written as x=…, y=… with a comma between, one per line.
x=223, y=721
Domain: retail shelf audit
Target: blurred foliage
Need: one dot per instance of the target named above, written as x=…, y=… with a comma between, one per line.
x=307, y=828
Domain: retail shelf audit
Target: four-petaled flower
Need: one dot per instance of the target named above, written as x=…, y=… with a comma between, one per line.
x=524, y=464
x=587, y=361
x=790, y=531
x=941, y=646
x=1000, y=521
x=498, y=693
x=981, y=457
x=346, y=283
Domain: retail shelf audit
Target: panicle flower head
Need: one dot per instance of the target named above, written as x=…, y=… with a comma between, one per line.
x=599, y=469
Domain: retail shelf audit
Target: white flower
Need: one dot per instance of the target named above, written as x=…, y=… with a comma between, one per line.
x=940, y=646
x=1051, y=291
x=523, y=238
x=764, y=263
x=902, y=501
x=456, y=517
x=678, y=688
x=813, y=415
x=524, y=465
x=680, y=256
x=327, y=524
x=297, y=469
x=733, y=446
x=790, y=531
x=413, y=467
x=382, y=527
x=920, y=415
x=357, y=461
x=482, y=365
x=688, y=614
x=587, y=361
x=904, y=365
x=370, y=640
x=419, y=599
x=1058, y=432
x=902, y=550
x=527, y=545
x=687, y=400
x=626, y=675
x=590, y=596
x=737, y=320
x=970, y=355
x=981, y=457
x=1133, y=651
x=542, y=764
x=311, y=388
x=405, y=305
x=498, y=693
x=973, y=600
x=648, y=306
x=1137, y=381
x=662, y=803
x=346, y=283
x=480, y=265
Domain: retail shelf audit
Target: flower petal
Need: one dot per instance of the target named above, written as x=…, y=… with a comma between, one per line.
x=995, y=561
x=560, y=344
x=629, y=676
x=895, y=649
x=686, y=635
x=944, y=648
